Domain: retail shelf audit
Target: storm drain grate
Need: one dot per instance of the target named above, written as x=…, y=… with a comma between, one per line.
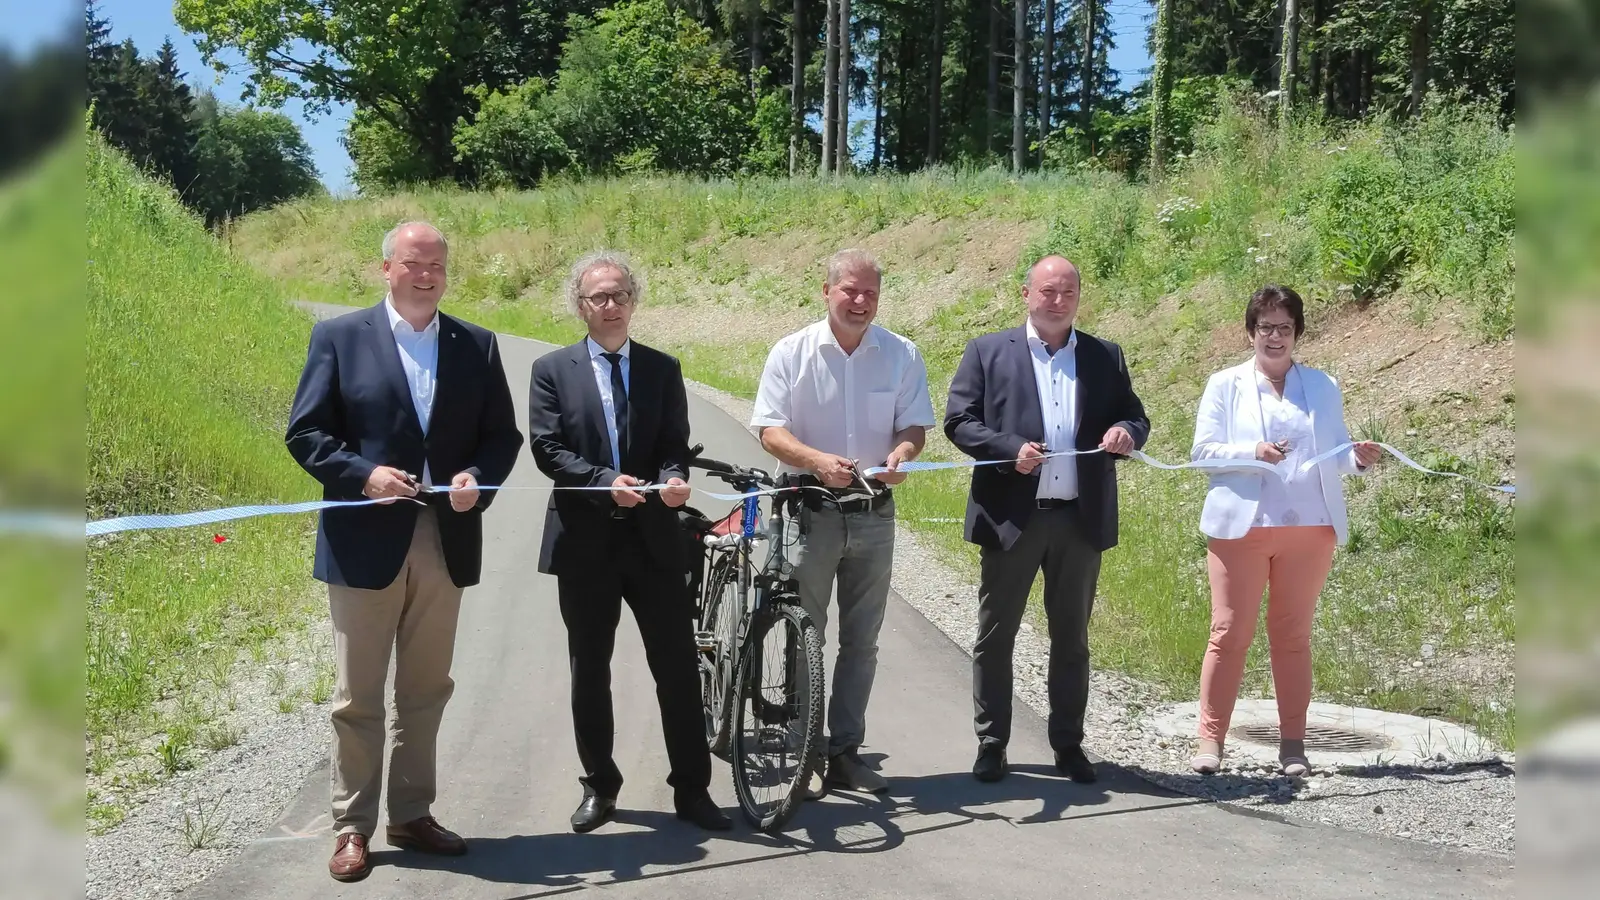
x=1325, y=738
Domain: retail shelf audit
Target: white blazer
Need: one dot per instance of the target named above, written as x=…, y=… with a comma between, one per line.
x=1229, y=427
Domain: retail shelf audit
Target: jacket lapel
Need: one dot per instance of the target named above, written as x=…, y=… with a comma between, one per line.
x=381, y=341
x=1032, y=413
x=584, y=372
x=1247, y=405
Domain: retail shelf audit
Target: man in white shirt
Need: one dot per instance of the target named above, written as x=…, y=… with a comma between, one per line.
x=837, y=397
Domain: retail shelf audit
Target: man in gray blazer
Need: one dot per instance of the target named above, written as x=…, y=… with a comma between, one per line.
x=1017, y=395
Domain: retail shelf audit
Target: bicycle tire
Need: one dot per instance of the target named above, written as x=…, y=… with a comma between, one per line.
x=789, y=614
x=716, y=674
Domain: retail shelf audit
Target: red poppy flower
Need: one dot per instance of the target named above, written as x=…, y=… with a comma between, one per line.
x=217, y=539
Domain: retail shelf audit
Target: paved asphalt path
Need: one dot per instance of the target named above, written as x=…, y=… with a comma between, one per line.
x=509, y=769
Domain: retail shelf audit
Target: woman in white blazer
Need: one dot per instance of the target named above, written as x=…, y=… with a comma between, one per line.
x=1263, y=531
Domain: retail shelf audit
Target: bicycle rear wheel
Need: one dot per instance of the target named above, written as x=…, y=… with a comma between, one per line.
x=715, y=631
x=777, y=722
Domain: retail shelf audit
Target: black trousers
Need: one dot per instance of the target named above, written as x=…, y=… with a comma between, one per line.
x=1053, y=541
x=591, y=607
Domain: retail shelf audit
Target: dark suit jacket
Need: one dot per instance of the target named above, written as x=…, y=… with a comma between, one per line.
x=353, y=412
x=567, y=435
x=994, y=409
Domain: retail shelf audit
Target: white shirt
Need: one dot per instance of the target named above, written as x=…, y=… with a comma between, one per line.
x=1057, y=377
x=419, y=357
x=1288, y=418
x=847, y=404
x=602, y=380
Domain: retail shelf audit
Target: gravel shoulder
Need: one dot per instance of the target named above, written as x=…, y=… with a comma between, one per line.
x=1467, y=804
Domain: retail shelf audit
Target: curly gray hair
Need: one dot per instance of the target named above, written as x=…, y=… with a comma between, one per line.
x=603, y=259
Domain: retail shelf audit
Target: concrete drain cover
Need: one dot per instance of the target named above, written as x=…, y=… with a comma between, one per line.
x=1335, y=735
x=1318, y=737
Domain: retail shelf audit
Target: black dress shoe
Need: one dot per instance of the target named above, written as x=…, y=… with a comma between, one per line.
x=1075, y=765
x=703, y=811
x=990, y=764
x=593, y=812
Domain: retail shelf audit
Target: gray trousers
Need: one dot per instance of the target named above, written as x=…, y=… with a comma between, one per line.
x=854, y=551
x=1053, y=541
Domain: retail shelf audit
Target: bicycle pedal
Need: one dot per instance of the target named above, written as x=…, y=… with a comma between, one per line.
x=706, y=641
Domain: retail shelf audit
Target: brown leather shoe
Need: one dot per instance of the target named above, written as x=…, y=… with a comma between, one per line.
x=349, y=862
x=426, y=835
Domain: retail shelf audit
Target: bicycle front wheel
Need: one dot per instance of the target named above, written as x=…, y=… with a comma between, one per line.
x=715, y=631
x=777, y=724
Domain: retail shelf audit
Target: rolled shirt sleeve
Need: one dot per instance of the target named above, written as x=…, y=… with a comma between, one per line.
x=773, y=408
x=912, y=405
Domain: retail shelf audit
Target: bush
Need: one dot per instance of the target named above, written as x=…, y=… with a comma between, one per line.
x=645, y=82
x=511, y=142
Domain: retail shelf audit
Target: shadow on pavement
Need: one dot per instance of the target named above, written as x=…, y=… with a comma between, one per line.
x=844, y=822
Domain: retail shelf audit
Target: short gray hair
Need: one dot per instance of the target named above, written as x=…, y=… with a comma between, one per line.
x=852, y=260
x=603, y=259
x=394, y=234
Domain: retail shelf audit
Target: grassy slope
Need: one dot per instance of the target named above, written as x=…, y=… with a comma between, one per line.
x=734, y=265
x=192, y=361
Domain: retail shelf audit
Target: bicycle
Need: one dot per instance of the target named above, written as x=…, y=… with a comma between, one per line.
x=761, y=663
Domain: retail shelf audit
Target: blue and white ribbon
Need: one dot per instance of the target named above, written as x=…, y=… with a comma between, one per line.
x=1205, y=465
x=213, y=516
x=58, y=525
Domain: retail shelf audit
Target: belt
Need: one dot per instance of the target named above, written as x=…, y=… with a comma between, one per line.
x=1054, y=503
x=860, y=504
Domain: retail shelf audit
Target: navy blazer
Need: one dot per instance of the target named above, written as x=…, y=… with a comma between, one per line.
x=568, y=438
x=994, y=409
x=353, y=412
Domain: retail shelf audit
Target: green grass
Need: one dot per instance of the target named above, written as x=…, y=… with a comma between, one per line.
x=192, y=362
x=1364, y=220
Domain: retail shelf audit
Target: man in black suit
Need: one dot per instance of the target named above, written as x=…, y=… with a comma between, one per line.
x=609, y=412
x=392, y=399
x=1017, y=395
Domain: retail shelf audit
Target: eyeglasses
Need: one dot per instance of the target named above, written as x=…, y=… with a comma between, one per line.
x=620, y=298
x=1283, y=330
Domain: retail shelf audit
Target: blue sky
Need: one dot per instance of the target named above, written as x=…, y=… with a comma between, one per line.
x=149, y=22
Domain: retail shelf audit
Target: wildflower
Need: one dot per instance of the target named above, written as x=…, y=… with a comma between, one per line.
x=218, y=539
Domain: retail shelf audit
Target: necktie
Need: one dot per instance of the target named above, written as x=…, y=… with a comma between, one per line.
x=619, y=402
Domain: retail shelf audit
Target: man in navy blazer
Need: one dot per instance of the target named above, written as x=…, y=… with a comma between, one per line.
x=394, y=400
x=1016, y=396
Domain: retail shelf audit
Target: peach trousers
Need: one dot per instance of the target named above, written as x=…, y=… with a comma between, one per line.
x=1295, y=562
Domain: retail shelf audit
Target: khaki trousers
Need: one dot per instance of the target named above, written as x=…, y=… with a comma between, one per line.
x=416, y=617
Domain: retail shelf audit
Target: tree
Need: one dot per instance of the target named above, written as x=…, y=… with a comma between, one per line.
x=841, y=153
x=1086, y=104
x=1161, y=91
x=1421, y=22
x=1290, y=59
x=1019, y=86
x=830, y=94
x=1047, y=69
x=169, y=108
x=246, y=159
x=935, y=80
x=797, y=87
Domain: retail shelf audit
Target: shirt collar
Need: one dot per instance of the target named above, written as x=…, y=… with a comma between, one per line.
x=1034, y=340
x=870, y=339
x=395, y=319
x=596, y=350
